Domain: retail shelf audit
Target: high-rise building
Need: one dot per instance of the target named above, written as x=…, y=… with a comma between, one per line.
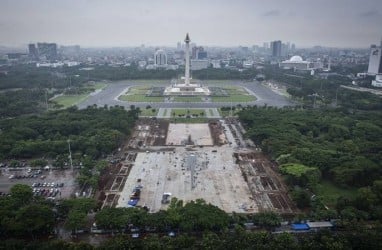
x=276, y=48
x=47, y=50
x=375, y=60
x=198, y=53
x=33, y=53
x=160, y=58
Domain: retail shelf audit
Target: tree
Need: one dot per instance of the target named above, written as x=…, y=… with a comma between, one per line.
x=301, y=197
x=76, y=220
x=21, y=193
x=35, y=219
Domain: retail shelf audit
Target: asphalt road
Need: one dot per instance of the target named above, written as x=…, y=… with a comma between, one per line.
x=109, y=96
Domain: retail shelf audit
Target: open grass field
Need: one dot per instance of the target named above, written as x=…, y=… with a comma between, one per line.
x=97, y=85
x=185, y=112
x=148, y=112
x=225, y=113
x=187, y=99
x=138, y=94
x=140, y=98
x=69, y=100
x=330, y=192
x=233, y=98
x=189, y=120
x=236, y=94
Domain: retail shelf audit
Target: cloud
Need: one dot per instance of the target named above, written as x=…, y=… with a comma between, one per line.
x=271, y=13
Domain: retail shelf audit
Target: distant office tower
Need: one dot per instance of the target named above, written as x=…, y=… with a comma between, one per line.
x=49, y=50
x=160, y=58
x=293, y=47
x=265, y=45
x=202, y=55
x=276, y=48
x=375, y=60
x=33, y=53
x=179, y=46
x=198, y=53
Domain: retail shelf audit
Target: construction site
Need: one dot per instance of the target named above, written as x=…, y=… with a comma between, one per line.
x=210, y=161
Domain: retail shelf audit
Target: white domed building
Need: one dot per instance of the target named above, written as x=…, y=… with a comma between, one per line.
x=297, y=63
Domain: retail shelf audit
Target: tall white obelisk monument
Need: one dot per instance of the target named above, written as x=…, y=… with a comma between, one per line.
x=187, y=73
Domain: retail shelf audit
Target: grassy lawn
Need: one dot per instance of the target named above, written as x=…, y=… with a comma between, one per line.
x=69, y=100
x=148, y=112
x=330, y=192
x=233, y=98
x=185, y=112
x=189, y=120
x=236, y=94
x=98, y=85
x=187, y=99
x=140, y=98
x=225, y=113
x=220, y=82
x=138, y=94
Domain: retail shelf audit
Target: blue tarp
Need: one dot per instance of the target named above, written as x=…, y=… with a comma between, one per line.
x=133, y=202
x=302, y=226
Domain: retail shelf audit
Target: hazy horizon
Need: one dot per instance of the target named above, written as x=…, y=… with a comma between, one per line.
x=224, y=23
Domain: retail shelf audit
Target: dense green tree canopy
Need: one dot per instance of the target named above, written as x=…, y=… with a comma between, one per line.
x=92, y=131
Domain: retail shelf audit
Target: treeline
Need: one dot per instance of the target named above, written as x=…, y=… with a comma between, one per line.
x=29, y=76
x=237, y=240
x=92, y=131
x=27, y=220
x=20, y=102
x=315, y=92
x=342, y=147
x=346, y=147
x=224, y=74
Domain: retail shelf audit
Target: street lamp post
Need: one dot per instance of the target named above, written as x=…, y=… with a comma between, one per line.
x=70, y=155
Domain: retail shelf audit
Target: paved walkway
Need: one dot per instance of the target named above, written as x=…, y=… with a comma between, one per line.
x=164, y=113
x=212, y=113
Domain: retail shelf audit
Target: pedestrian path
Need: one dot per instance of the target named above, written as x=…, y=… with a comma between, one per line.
x=212, y=113
x=164, y=113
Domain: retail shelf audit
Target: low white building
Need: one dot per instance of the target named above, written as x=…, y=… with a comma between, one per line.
x=378, y=81
x=216, y=64
x=247, y=64
x=199, y=64
x=295, y=62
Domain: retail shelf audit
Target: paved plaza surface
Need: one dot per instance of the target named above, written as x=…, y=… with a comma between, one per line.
x=214, y=177
x=198, y=133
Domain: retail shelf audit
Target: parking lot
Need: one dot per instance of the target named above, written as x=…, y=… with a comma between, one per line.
x=55, y=184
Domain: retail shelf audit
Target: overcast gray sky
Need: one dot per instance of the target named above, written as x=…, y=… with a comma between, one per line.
x=341, y=23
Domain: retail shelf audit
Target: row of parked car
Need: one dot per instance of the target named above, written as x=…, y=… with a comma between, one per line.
x=52, y=192
x=47, y=184
x=13, y=176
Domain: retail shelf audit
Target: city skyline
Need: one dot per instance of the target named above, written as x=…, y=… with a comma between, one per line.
x=214, y=23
